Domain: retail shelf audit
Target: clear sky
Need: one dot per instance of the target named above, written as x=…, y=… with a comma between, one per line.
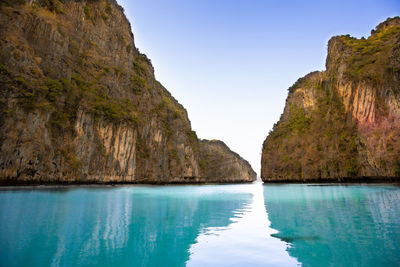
x=230, y=62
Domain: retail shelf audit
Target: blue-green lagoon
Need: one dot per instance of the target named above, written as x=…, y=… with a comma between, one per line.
x=201, y=225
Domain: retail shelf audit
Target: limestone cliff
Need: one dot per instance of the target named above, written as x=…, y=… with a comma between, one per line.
x=342, y=123
x=217, y=160
x=80, y=104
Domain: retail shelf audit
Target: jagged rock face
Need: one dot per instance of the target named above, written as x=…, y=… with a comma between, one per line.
x=217, y=160
x=79, y=103
x=343, y=123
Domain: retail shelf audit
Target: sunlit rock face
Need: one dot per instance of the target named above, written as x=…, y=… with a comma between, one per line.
x=342, y=123
x=80, y=104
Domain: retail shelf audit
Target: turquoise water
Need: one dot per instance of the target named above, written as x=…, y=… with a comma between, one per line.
x=209, y=225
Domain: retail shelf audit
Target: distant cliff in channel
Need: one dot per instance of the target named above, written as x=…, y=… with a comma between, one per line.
x=217, y=160
x=80, y=104
x=342, y=124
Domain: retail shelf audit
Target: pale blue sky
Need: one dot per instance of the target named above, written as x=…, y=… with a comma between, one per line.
x=230, y=62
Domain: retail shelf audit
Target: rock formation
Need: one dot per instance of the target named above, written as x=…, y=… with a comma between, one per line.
x=217, y=160
x=342, y=124
x=80, y=104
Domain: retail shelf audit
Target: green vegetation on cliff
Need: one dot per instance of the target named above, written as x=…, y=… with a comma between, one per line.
x=86, y=83
x=80, y=103
x=374, y=59
x=312, y=143
x=343, y=122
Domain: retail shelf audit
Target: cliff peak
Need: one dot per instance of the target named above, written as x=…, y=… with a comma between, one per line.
x=388, y=23
x=373, y=59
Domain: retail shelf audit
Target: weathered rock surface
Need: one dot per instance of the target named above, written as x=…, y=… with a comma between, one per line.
x=343, y=123
x=80, y=104
x=217, y=160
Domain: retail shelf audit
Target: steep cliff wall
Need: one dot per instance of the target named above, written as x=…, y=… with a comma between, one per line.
x=343, y=123
x=79, y=103
x=217, y=160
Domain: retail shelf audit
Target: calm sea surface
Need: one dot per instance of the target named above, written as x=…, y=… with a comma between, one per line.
x=205, y=225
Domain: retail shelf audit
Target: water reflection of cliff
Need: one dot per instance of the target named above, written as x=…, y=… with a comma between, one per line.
x=340, y=225
x=139, y=226
x=246, y=241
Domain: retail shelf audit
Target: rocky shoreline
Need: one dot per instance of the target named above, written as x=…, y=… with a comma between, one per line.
x=346, y=180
